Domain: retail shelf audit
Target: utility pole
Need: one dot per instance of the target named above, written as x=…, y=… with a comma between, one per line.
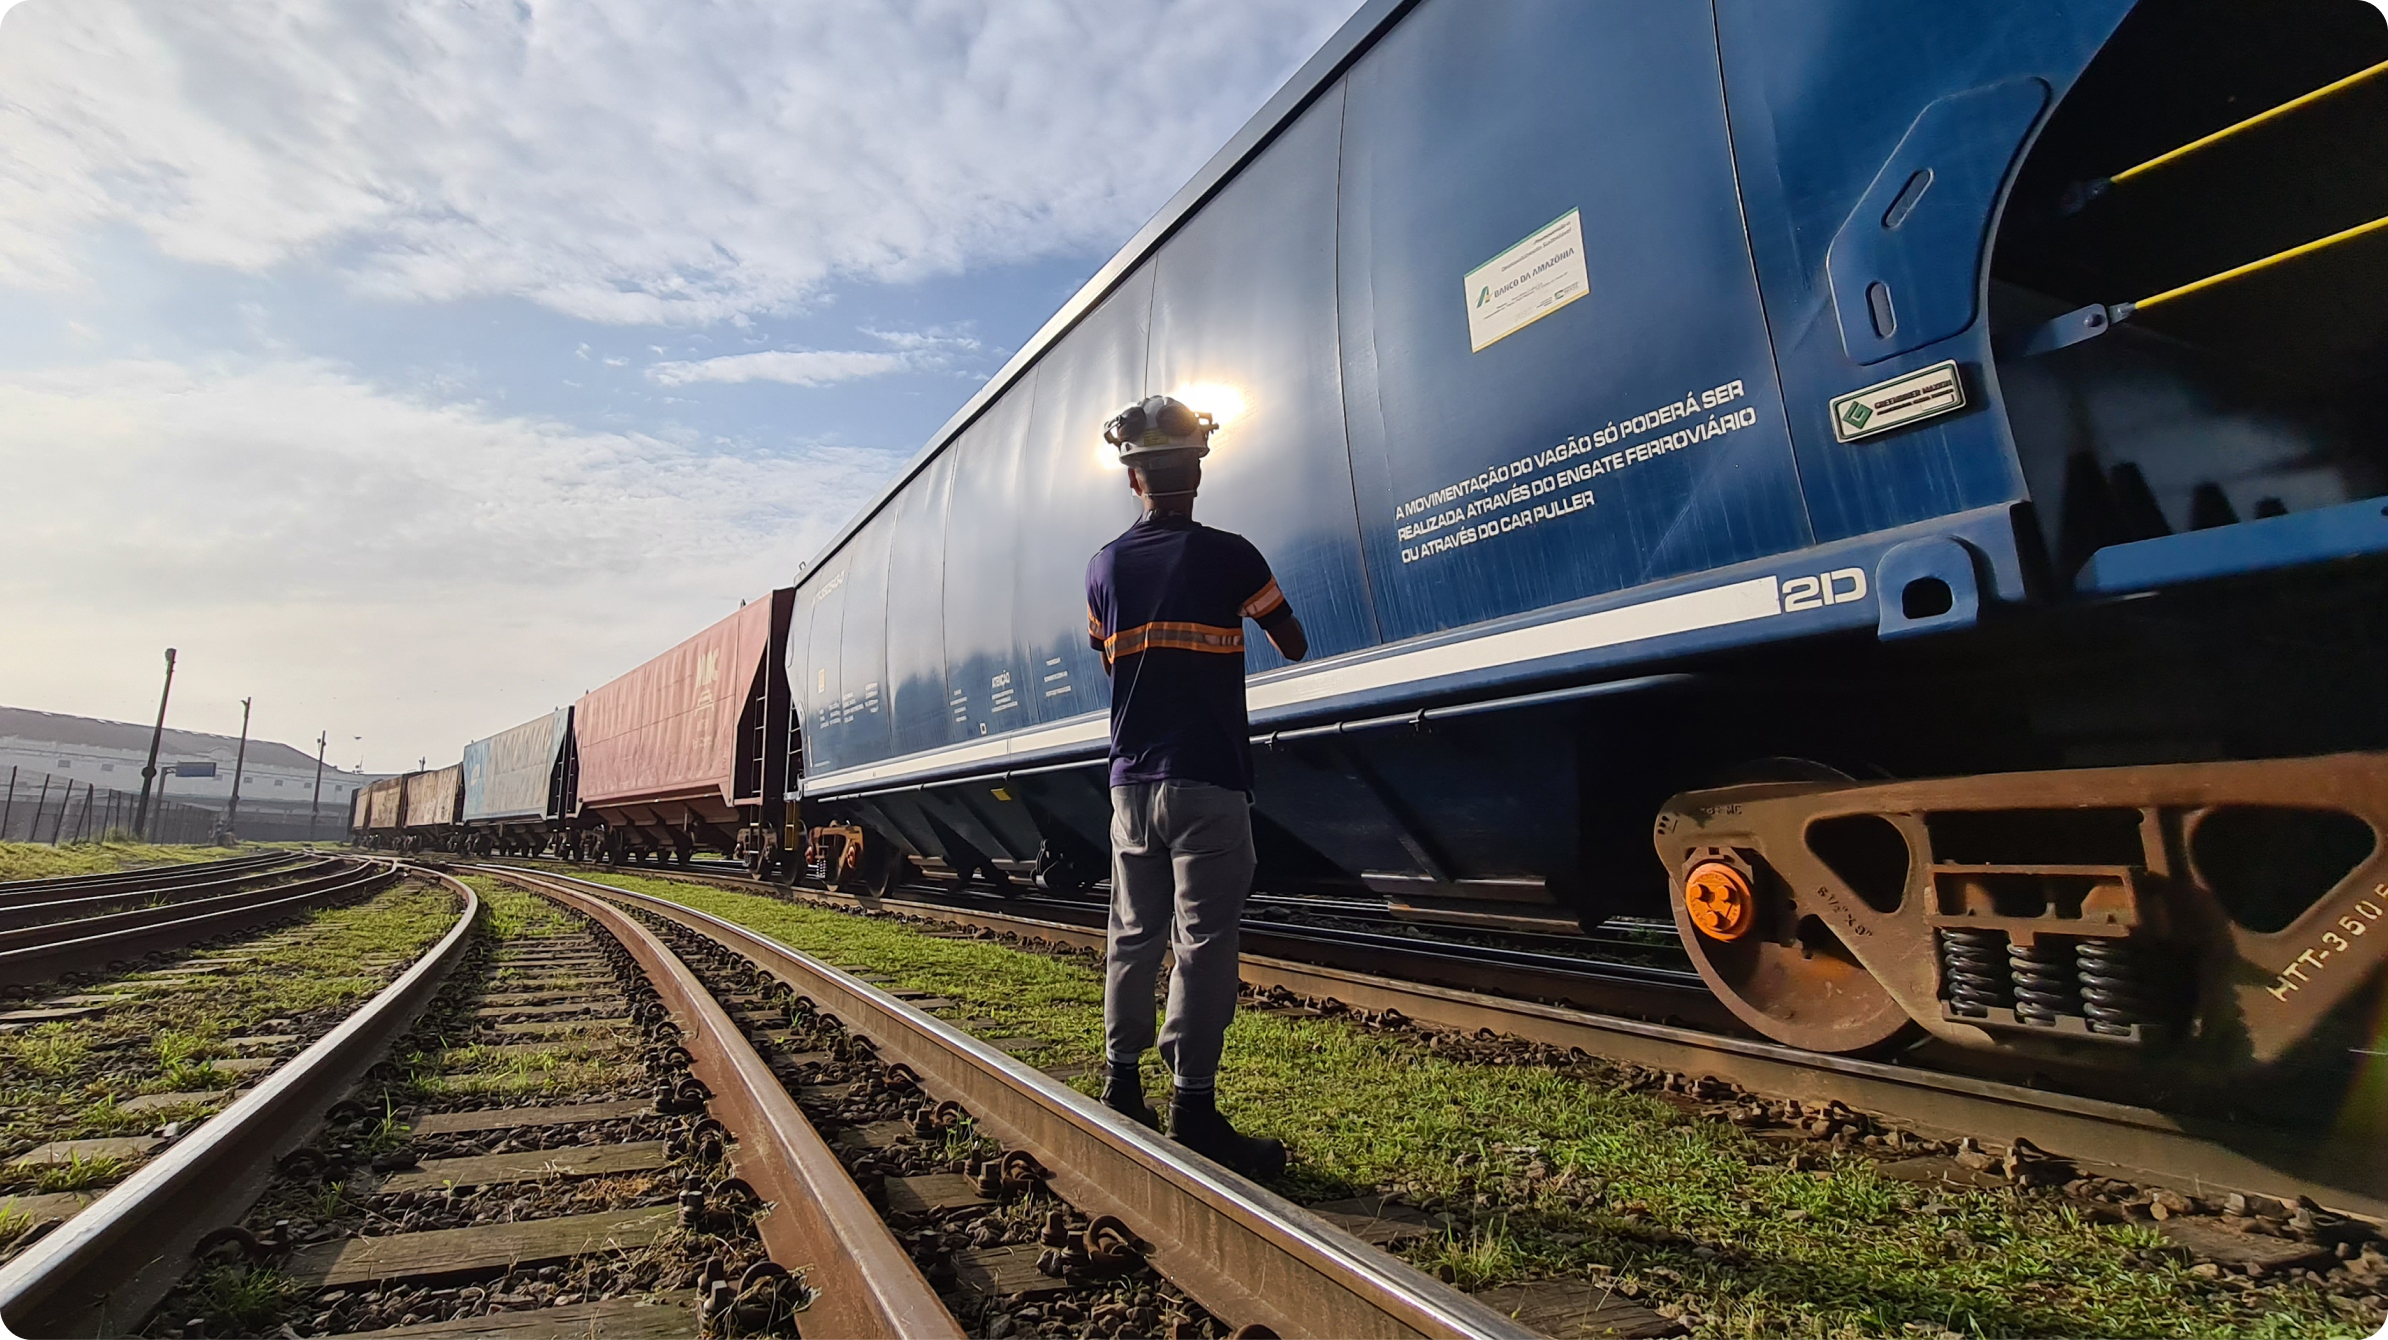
x=322, y=739
x=150, y=769
x=240, y=760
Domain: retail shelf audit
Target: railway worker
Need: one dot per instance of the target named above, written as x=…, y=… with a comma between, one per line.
x=1165, y=604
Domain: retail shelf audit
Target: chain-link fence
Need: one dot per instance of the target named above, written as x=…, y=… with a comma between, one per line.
x=39, y=807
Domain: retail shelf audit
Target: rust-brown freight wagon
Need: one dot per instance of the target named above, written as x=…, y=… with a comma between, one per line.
x=429, y=812
x=381, y=807
x=690, y=750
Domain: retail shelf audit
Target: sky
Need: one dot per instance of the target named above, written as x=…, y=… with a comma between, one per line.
x=416, y=366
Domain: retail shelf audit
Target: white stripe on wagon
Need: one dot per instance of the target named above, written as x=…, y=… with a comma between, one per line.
x=1716, y=607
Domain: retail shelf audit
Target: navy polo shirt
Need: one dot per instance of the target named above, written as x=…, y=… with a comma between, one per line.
x=1166, y=604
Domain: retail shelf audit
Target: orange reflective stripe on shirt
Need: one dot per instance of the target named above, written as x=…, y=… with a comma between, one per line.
x=1264, y=602
x=1173, y=637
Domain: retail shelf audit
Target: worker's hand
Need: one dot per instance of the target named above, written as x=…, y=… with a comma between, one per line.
x=1289, y=640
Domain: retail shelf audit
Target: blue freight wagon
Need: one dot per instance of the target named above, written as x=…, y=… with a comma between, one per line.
x=519, y=787
x=1715, y=419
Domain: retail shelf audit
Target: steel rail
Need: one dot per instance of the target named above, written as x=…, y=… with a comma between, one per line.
x=1243, y=1252
x=1591, y=984
x=868, y=1284
x=2120, y=1139
x=38, y=953
x=15, y=916
x=2346, y=1171
x=101, y=1272
x=126, y=881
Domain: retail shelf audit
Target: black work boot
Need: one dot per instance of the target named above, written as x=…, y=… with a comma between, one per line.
x=1194, y=1122
x=1123, y=1092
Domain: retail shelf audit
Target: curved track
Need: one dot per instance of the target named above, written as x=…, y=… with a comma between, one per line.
x=2344, y=1170
x=118, y=881
x=192, y=911
x=1637, y=990
x=32, y=908
x=101, y=1272
x=1241, y=1252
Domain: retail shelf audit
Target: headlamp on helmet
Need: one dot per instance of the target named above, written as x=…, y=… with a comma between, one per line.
x=1159, y=424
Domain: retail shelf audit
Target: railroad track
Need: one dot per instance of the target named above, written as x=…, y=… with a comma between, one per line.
x=35, y=907
x=475, y=1214
x=99, y=1271
x=1245, y=1255
x=1634, y=990
x=2344, y=1169
x=117, y=881
x=41, y=938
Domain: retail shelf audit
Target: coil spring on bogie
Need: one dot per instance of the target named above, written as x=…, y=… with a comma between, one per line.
x=2115, y=992
x=2044, y=986
x=1973, y=970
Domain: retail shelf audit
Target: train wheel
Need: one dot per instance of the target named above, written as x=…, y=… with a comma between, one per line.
x=1786, y=975
x=1057, y=872
x=894, y=872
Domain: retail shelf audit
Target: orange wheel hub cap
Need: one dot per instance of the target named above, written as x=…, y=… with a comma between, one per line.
x=1719, y=900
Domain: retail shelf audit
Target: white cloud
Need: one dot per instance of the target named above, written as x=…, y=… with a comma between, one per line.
x=915, y=351
x=618, y=160
x=797, y=367
x=938, y=340
x=413, y=572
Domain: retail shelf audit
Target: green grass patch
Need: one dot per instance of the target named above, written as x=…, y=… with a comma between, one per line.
x=77, y=1173
x=444, y=1065
x=1560, y=1174
x=238, y=1299
x=64, y=1080
x=40, y=860
x=511, y=913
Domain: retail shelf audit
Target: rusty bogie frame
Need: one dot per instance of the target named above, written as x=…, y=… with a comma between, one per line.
x=2216, y=913
x=836, y=852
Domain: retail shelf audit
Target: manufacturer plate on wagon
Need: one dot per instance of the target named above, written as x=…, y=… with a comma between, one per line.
x=1925, y=394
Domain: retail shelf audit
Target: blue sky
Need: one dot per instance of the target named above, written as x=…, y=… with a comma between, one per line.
x=415, y=366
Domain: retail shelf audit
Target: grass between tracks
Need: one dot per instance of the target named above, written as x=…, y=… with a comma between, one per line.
x=66, y=1080
x=561, y=1068
x=1551, y=1174
x=40, y=860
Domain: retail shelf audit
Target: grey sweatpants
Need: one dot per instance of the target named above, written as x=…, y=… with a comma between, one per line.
x=1181, y=866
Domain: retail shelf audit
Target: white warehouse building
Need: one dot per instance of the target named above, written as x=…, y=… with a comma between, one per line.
x=277, y=784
